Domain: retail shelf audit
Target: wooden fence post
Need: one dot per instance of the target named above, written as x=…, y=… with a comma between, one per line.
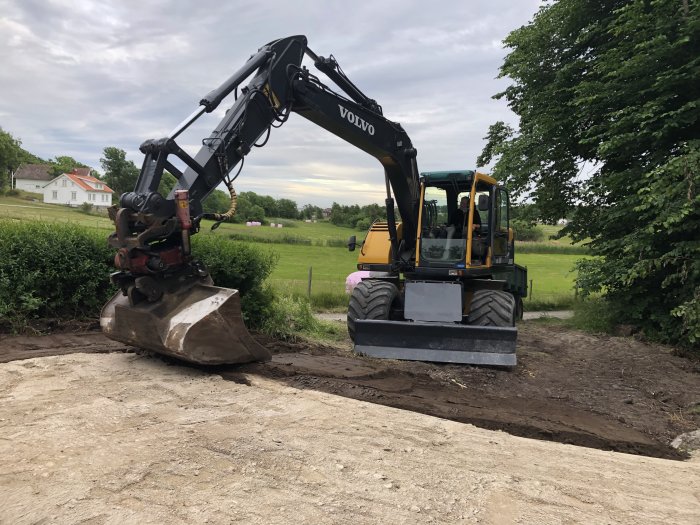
x=309, y=289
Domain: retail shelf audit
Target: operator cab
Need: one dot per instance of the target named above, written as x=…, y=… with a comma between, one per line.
x=464, y=221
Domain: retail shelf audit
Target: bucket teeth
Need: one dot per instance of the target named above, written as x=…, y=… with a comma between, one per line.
x=202, y=324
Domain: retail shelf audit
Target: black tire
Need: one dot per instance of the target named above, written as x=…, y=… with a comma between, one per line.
x=519, y=308
x=371, y=299
x=492, y=308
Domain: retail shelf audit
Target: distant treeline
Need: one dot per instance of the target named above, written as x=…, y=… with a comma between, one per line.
x=355, y=216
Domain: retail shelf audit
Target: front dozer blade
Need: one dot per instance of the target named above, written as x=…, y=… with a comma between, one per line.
x=201, y=324
x=437, y=342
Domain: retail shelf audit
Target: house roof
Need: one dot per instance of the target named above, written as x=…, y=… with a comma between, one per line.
x=85, y=181
x=83, y=172
x=34, y=172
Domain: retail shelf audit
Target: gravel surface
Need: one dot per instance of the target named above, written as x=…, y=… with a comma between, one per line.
x=127, y=438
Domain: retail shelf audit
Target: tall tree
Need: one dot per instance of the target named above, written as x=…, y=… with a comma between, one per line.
x=607, y=94
x=287, y=209
x=9, y=157
x=120, y=174
x=64, y=164
x=309, y=211
x=216, y=202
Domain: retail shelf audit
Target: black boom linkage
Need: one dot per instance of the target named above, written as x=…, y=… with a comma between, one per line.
x=280, y=85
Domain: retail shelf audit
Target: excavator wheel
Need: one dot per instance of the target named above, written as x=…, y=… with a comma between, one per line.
x=519, y=309
x=371, y=299
x=492, y=308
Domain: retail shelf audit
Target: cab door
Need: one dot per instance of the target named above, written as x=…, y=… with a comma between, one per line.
x=501, y=245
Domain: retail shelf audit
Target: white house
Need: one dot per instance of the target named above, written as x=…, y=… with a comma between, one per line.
x=77, y=187
x=32, y=177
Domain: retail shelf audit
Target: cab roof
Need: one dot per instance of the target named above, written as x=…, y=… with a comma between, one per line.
x=459, y=180
x=447, y=176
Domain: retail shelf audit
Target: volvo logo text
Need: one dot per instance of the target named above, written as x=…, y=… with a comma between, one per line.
x=354, y=119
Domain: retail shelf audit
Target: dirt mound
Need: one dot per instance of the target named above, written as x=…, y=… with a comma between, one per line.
x=603, y=392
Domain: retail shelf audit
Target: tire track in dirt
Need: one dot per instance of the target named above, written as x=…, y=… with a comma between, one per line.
x=600, y=392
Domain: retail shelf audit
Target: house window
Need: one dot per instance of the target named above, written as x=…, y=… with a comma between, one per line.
x=98, y=186
x=105, y=197
x=65, y=183
x=54, y=195
x=73, y=196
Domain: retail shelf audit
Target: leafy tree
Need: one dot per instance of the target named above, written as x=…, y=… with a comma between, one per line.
x=287, y=209
x=216, y=202
x=120, y=174
x=9, y=157
x=269, y=204
x=64, y=164
x=310, y=211
x=255, y=213
x=167, y=183
x=607, y=94
x=355, y=216
x=270, y=207
x=247, y=209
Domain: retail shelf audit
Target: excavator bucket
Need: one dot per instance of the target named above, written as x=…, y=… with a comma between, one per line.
x=201, y=324
x=437, y=342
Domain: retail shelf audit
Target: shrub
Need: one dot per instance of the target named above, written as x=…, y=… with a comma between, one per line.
x=593, y=315
x=85, y=207
x=543, y=247
x=290, y=316
x=33, y=197
x=363, y=224
x=62, y=271
x=52, y=270
x=524, y=231
x=337, y=243
x=240, y=266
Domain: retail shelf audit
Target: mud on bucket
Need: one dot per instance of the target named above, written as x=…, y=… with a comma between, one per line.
x=202, y=324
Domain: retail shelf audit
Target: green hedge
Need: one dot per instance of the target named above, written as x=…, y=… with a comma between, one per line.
x=243, y=267
x=52, y=271
x=55, y=270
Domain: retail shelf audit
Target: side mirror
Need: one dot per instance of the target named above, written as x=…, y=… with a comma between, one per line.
x=352, y=242
x=483, y=203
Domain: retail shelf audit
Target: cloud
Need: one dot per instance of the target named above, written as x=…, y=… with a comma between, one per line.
x=78, y=76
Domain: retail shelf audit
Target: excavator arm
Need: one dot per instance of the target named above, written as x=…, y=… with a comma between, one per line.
x=167, y=302
x=280, y=86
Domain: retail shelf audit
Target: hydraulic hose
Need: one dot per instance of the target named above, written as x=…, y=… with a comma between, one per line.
x=221, y=217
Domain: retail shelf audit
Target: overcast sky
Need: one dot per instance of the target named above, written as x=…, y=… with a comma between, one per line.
x=77, y=76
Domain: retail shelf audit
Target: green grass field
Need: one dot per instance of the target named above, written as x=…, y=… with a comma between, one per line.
x=552, y=280
x=22, y=209
x=551, y=276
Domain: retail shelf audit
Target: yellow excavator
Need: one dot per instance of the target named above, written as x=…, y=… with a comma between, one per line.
x=441, y=283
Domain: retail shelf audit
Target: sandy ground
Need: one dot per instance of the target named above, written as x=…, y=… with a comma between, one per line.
x=125, y=438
